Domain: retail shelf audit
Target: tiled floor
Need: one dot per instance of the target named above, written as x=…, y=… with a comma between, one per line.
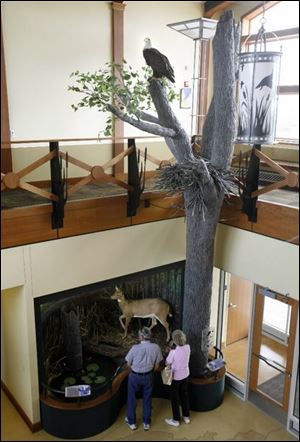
x=234, y=420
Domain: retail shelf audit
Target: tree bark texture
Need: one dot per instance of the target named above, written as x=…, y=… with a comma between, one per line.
x=217, y=146
x=219, y=133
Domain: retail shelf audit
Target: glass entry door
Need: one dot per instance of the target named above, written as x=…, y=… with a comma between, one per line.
x=273, y=342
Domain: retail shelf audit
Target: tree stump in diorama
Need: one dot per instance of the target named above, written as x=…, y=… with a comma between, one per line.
x=72, y=339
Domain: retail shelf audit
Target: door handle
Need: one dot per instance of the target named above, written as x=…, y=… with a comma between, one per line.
x=271, y=363
x=231, y=305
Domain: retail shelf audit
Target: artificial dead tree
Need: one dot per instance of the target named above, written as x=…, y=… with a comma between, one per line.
x=203, y=180
x=72, y=338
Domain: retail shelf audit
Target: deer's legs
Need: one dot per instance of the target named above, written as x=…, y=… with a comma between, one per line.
x=153, y=322
x=166, y=325
x=121, y=321
x=127, y=320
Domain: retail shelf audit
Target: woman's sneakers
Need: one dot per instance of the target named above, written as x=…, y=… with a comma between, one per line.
x=170, y=421
x=131, y=426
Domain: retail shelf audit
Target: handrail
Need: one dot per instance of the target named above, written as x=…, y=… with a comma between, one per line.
x=65, y=140
x=290, y=179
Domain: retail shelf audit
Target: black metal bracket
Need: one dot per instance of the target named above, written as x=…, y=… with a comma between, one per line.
x=251, y=185
x=58, y=186
x=136, y=178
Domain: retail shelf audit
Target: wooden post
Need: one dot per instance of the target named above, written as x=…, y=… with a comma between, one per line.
x=6, y=160
x=118, y=56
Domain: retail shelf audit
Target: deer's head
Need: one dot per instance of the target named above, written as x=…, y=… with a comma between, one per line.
x=118, y=294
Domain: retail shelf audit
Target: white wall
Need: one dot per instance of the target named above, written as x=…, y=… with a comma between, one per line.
x=12, y=268
x=85, y=259
x=263, y=260
x=44, y=42
x=19, y=350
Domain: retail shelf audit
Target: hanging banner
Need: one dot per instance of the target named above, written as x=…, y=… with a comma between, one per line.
x=257, y=97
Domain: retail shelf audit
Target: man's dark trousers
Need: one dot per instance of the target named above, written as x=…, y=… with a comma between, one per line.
x=137, y=382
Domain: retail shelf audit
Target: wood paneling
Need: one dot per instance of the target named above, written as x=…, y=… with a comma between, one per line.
x=277, y=221
x=94, y=216
x=26, y=226
x=239, y=307
x=33, y=224
x=158, y=208
x=274, y=220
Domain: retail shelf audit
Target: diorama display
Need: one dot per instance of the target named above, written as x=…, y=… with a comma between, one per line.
x=82, y=347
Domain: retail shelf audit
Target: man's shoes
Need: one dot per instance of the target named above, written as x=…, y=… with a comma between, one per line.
x=146, y=427
x=131, y=426
x=186, y=419
x=170, y=421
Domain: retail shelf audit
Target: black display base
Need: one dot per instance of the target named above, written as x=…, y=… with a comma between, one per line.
x=207, y=394
x=83, y=419
x=87, y=418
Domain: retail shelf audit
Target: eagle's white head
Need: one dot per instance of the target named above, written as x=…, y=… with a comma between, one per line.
x=147, y=43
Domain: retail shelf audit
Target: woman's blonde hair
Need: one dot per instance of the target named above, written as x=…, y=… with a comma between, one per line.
x=179, y=337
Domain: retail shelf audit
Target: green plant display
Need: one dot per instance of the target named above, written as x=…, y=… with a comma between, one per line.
x=92, y=367
x=100, y=379
x=117, y=85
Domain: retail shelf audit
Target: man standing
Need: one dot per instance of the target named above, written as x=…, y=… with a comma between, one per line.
x=143, y=359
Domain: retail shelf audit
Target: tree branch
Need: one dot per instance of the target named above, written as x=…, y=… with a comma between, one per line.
x=148, y=117
x=154, y=129
x=180, y=145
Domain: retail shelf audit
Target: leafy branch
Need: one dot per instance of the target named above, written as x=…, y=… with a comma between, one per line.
x=121, y=90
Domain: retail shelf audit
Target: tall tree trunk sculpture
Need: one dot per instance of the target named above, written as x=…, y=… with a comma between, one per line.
x=216, y=149
x=203, y=180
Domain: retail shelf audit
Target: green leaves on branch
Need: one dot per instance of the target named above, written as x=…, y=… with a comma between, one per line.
x=117, y=85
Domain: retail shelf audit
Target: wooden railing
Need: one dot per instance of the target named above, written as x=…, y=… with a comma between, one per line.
x=60, y=189
x=290, y=178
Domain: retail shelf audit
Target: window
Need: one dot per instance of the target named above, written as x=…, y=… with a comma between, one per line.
x=282, y=26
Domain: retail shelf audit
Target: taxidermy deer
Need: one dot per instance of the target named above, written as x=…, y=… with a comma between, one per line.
x=154, y=308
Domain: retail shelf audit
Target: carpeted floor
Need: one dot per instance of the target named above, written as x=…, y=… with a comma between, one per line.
x=274, y=387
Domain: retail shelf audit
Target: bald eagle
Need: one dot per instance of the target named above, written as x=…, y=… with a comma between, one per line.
x=158, y=62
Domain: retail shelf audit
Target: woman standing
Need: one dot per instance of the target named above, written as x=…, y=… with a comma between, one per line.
x=179, y=358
